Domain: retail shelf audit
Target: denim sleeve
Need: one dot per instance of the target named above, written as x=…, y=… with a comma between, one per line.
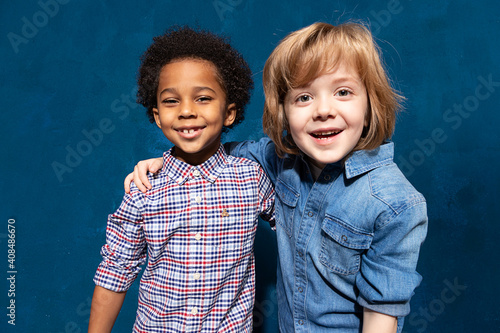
x=261, y=151
x=125, y=248
x=388, y=277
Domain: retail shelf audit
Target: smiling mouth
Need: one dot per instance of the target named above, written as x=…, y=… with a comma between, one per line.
x=186, y=131
x=325, y=135
x=189, y=130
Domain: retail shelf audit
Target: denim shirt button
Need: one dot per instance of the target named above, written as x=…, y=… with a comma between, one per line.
x=327, y=177
x=300, y=289
x=300, y=253
x=344, y=238
x=301, y=322
x=310, y=214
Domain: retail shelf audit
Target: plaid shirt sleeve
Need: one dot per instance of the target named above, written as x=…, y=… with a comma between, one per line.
x=125, y=249
x=266, y=198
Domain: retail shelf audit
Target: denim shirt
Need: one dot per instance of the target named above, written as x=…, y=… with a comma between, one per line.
x=348, y=240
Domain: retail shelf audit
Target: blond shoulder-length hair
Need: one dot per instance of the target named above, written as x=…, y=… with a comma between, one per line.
x=304, y=55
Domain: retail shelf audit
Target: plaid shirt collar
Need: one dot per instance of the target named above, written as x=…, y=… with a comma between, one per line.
x=180, y=171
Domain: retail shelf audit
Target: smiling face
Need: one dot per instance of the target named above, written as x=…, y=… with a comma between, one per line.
x=327, y=116
x=191, y=109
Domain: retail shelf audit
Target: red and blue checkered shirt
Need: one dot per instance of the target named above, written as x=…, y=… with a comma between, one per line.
x=196, y=227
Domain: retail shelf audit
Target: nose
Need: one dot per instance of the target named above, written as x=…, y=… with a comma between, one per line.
x=187, y=110
x=325, y=108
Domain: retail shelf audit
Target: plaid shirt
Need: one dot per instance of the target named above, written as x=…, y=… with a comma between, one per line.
x=197, y=226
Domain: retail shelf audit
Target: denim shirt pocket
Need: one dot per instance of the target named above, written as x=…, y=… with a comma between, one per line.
x=342, y=246
x=285, y=208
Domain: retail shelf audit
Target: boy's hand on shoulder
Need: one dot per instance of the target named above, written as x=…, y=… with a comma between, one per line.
x=140, y=174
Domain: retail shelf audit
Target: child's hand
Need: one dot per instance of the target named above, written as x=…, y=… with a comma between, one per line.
x=140, y=174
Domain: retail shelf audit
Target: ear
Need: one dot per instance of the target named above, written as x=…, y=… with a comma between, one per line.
x=230, y=114
x=157, y=117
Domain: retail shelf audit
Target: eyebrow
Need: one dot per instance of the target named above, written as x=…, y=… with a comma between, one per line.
x=347, y=79
x=196, y=89
x=338, y=80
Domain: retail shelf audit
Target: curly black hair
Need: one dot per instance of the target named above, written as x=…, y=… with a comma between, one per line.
x=187, y=43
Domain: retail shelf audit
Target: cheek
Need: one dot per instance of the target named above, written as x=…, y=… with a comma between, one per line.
x=164, y=121
x=298, y=134
x=295, y=131
x=359, y=117
x=294, y=128
x=294, y=120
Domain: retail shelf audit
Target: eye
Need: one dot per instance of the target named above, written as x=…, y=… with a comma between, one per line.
x=303, y=99
x=343, y=93
x=204, y=99
x=169, y=101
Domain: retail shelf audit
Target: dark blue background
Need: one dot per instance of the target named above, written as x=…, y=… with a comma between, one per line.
x=70, y=69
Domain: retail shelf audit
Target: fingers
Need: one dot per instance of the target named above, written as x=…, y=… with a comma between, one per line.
x=153, y=165
x=127, y=182
x=140, y=174
x=141, y=178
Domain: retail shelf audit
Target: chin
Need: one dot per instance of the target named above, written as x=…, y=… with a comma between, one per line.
x=324, y=161
x=329, y=158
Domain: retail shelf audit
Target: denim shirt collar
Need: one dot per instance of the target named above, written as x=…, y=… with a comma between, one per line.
x=363, y=161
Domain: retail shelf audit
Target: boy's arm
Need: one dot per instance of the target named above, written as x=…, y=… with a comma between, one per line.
x=123, y=255
x=106, y=305
x=266, y=198
x=261, y=152
x=375, y=322
x=388, y=277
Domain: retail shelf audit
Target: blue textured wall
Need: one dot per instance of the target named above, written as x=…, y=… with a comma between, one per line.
x=68, y=69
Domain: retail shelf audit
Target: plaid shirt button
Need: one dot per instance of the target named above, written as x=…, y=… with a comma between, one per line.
x=194, y=311
x=196, y=173
x=196, y=276
x=197, y=236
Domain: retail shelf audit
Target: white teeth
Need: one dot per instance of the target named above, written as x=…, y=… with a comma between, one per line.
x=186, y=131
x=327, y=133
x=191, y=131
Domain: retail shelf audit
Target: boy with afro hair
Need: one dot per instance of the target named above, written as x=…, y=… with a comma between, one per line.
x=196, y=226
